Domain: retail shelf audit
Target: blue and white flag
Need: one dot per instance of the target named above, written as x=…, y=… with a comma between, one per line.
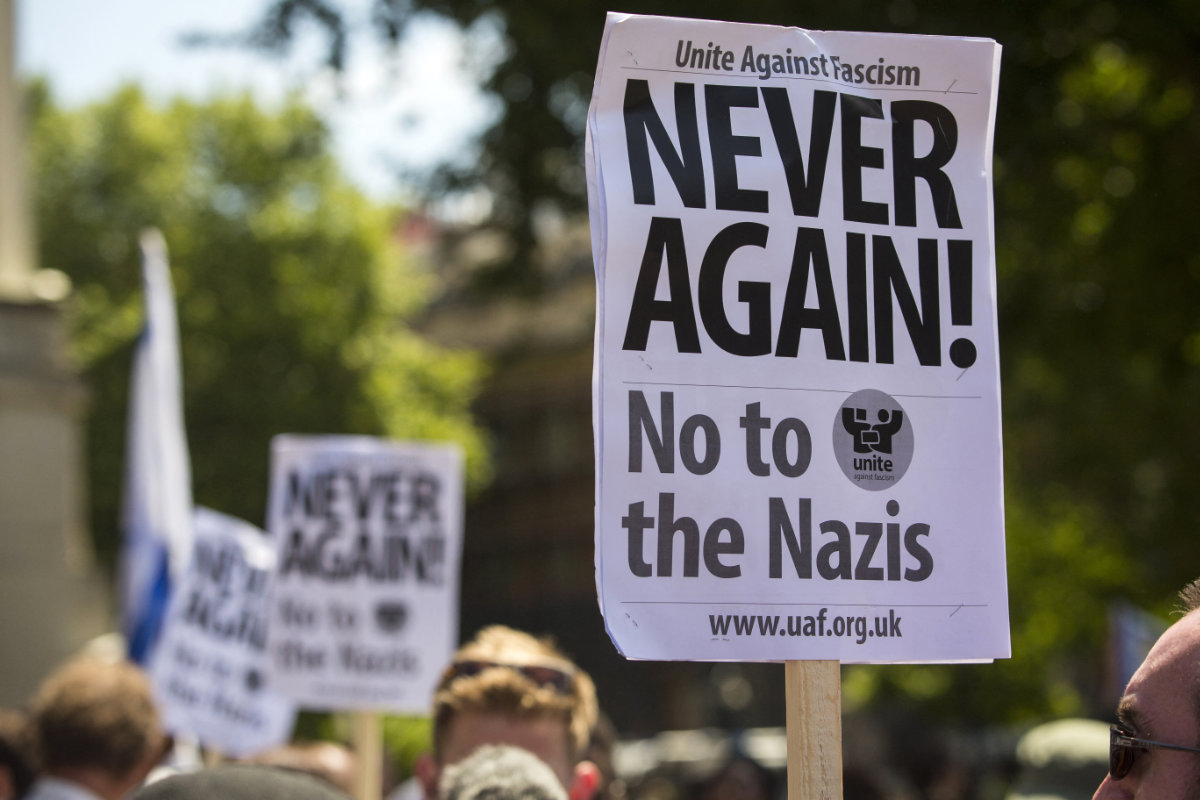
x=157, y=514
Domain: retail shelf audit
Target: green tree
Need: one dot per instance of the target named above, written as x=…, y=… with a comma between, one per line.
x=291, y=289
x=1098, y=265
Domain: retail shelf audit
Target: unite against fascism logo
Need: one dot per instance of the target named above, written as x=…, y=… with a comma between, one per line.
x=872, y=440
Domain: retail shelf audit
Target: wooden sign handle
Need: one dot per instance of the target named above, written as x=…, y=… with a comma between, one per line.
x=368, y=748
x=814, y=730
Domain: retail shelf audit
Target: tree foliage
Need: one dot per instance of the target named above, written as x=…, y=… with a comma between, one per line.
x=1098, y=265
x=291, y=290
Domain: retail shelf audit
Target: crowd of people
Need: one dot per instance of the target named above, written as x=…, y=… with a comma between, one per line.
x=513, y=719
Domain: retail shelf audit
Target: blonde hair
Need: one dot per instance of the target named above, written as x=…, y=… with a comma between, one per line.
x=95, y=714
x=503, y=689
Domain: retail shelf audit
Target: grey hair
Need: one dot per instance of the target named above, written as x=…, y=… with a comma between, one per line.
x=1189, y=597
x=500, y=772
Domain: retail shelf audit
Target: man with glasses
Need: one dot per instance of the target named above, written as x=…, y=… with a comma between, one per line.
x=1154, y=750
x=507, y=687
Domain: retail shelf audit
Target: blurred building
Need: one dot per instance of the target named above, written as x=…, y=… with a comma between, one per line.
x=50, y=599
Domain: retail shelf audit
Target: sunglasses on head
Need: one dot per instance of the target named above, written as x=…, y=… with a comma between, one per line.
x=560, y=680
x=1124, y=749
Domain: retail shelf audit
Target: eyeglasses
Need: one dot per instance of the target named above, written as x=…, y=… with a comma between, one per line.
x=560, y=680
x=1124, y=749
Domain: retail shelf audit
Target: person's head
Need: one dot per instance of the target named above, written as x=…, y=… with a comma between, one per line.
x=500, y=772
x=96, y=723
x=1161, y=704
x=329, y=761
x=17, y=766
x=507, y=687
x=240, y=782
x=739, y=778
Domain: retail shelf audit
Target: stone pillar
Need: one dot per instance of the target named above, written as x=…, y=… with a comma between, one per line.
x=16, y=253
x=51, y=598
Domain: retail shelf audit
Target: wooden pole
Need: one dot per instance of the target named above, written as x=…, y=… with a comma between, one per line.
x=814, y=730
x=368, y=750
x=213, y=756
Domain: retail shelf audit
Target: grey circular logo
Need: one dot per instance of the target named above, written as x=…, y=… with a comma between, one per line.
x=872, y=440
x=391, y=617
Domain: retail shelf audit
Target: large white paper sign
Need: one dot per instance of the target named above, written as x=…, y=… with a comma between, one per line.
x=209, y=671
x=364, y=612
x=797, y=401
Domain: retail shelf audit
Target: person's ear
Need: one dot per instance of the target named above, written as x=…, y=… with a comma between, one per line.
x=427, y=771
x=586, y=781
x=8, y=783
x=140, y=771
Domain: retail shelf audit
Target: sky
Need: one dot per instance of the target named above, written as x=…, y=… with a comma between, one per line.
x=405, y=112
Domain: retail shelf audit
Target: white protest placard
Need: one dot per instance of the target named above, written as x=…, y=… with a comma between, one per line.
x=364, y=611
x=797, y=401
x=209, y=672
